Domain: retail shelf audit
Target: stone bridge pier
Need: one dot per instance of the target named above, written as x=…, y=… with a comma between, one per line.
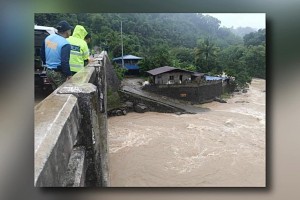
x=70, y=131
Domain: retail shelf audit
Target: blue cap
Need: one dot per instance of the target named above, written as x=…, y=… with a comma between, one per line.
x=63, y=26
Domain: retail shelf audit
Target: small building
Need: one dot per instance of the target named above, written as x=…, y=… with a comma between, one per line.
x=130, y=63
x=183, y=85
x=171, y=75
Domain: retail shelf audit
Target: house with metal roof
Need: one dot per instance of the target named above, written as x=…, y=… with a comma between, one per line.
x=130, y=63
x=172, y=75
x=183, y=84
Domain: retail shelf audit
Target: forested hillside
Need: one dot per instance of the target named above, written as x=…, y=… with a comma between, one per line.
x=191, y=41
x=242, y=31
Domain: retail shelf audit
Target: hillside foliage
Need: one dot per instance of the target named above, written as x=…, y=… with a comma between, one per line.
x=185, y=40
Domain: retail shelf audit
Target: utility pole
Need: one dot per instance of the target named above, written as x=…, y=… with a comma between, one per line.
x=122, y=45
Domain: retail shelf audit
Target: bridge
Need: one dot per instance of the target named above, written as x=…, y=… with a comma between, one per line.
x=70, y=131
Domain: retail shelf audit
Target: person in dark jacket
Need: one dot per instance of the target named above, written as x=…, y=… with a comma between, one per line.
x=56, y=55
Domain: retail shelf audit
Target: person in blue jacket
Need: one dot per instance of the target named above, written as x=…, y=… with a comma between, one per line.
x=56, y=55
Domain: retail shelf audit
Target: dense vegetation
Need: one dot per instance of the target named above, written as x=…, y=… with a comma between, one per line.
x=242, y=31
x=190, y=41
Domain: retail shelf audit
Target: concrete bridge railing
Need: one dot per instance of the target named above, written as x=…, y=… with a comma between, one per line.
x=70, y=131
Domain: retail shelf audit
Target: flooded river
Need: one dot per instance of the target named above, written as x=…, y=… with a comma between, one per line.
x=223, y=147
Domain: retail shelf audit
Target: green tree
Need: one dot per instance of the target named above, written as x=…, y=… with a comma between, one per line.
x=119, y=71
x=255, y=59
x=255, y=38
x=212, y=24
x=206, y=55
x=144, y=33
x=182, y=57
x=235, y=65
x=51, y=19
x=183, y=54
x=158, y=56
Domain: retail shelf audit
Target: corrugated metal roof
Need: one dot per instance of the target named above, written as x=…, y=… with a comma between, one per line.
x=165, y=69
x=128, y=57
x=213, y=78
x=160, y=70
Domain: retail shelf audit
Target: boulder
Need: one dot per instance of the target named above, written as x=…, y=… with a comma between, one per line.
x=140, y=108
x=220, y=100
x=129, y=104
x=119, y=112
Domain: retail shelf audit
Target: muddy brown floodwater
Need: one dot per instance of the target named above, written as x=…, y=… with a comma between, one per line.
x=224, y=147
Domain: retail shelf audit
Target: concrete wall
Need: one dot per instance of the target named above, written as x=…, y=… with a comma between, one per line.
x=112, y=80
x=165, y=77
x=71, y=131
x=196, y=93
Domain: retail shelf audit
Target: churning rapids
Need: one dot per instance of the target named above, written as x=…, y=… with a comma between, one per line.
x=224, y=147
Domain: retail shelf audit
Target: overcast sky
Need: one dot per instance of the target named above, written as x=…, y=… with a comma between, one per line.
x=254, y=20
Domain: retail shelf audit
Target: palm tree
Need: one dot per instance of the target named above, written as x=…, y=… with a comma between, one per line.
x=205, y=54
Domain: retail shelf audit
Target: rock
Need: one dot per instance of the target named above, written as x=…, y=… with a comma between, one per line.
x=241, y=102
x=178, y=113
x=140, y=108
x=244, y=91
x=113, y=112
x=119, y=112
x=220, y=100
x=129, y=104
